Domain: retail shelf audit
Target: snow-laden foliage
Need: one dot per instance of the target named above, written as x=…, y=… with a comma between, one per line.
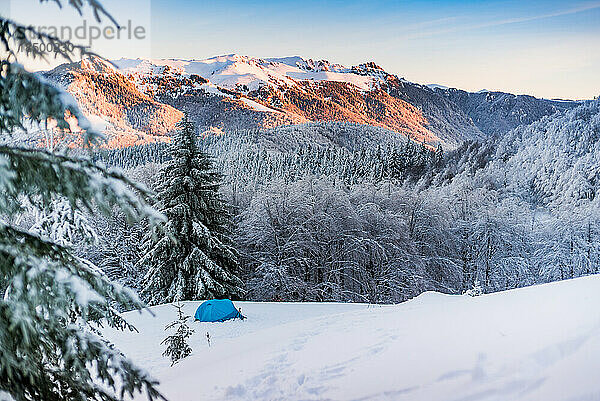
x=314, y=240
x=529, y=203
x=475, y=291
x=54, y=303
x=189, y=258
x=348, y=220
x=249, y=158
x=116, y=250
x=317, y=240
x=177, y=346
x=508, y=214
x=49, y=320
x=62, y=224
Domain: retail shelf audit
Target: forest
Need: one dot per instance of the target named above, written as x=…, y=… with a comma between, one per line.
x=265, y=256
x=344, y=212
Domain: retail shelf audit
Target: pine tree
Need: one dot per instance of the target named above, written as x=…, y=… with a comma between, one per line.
x=189, y=258
x=63, y=225
x=54, y=303
x=177, y=346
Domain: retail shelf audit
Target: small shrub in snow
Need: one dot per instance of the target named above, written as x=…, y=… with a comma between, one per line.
x=177, y=346
x=476, y=291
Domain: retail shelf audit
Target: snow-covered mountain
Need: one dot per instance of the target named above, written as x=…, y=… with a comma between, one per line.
x=244, y=74
x=141, y=99
x=297, y=90
x=113, y=103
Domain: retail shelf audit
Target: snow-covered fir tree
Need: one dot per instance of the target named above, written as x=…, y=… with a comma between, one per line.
x=177, y=346
x=53, y=302
x=189, y=257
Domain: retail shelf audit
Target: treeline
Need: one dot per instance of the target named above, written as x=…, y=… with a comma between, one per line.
x=245, y=159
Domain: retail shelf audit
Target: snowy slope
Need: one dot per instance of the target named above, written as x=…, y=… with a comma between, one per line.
x=536, y=343
x=234, y=71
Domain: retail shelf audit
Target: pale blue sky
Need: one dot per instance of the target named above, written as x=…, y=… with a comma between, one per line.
x=545, y=48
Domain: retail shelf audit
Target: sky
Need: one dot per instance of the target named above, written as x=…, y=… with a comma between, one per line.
x=548, y=48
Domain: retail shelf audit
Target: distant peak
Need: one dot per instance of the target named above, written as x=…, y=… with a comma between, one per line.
x=228, y=58
x=97, y=64
x=437, y=86
x=370, y=65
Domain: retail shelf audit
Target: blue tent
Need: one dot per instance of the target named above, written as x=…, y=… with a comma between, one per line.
x=217, y=310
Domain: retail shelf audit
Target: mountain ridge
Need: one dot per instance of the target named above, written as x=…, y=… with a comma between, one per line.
x=141, y=99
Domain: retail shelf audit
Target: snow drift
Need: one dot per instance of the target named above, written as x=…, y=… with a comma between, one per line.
x=535, y=343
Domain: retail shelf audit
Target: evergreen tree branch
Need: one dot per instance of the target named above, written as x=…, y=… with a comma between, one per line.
x=39, y=173
x=24, y=97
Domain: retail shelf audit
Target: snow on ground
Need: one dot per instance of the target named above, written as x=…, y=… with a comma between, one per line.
x=537, y=343
x=214, y=89
x=437, y=86
x=257, y=106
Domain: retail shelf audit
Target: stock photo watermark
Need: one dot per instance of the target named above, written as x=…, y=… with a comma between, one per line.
x=84, y=34
x=130, y=36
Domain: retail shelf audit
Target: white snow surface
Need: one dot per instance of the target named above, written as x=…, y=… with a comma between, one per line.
x=234, y=71
x=536, y=343
x=214, y=89
x=437, y=86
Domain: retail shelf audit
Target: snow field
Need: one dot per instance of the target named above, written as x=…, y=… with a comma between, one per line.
x=535, y=343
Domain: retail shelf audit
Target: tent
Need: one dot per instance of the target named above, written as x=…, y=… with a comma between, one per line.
x=217, y=310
